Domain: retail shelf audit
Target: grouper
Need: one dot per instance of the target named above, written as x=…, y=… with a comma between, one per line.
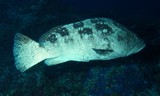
x=83, y=41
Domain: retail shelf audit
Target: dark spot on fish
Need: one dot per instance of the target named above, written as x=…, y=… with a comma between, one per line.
x=52, y=38
x=102, y=27
x=97, y=20
x=85, y=31
x=128, y=37
x=103, y=51
x=67, y=40
x=120, y=37
x=78, y=25
x=61, y=30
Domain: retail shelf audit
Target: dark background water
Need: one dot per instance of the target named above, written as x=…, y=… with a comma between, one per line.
x=144, y=8
x=137, y=75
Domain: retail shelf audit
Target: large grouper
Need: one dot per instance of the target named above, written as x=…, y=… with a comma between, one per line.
x=90, y=39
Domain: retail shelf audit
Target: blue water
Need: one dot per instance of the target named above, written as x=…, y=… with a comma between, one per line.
x=136, y=75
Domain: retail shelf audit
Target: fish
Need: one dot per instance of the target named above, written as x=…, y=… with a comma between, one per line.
x=82, y=41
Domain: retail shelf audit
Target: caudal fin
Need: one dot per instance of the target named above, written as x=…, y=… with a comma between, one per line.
x=27, y=52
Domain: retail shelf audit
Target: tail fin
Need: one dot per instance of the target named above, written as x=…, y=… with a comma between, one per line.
x=27, y=52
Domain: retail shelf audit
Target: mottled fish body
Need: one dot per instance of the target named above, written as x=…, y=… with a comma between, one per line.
x=90, y=39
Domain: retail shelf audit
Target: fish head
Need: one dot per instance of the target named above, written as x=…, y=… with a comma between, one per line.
x=121, y=42
x=120, y=47
x=126, y=44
